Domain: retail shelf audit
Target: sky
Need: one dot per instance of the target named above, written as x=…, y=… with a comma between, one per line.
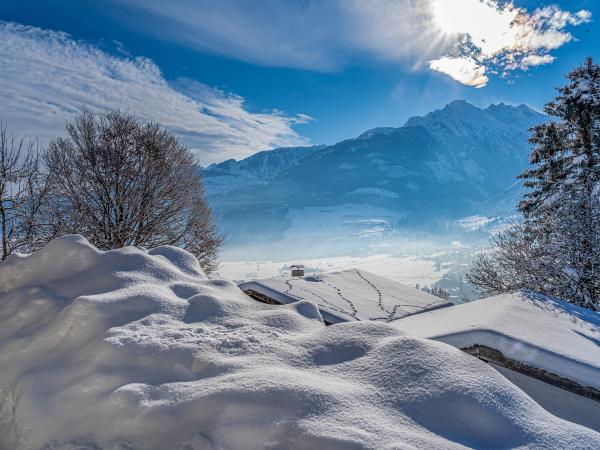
x=231, y=78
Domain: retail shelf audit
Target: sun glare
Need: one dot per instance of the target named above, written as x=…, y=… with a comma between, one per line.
x=452, y=16
x=490, y=28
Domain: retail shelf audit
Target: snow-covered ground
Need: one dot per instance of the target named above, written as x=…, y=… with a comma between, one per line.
x=348, y=295
x=408, y=270
x=560, y=402
x=139, y=349
x=537, y=330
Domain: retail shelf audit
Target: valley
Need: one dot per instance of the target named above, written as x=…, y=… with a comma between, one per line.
x=447, y=176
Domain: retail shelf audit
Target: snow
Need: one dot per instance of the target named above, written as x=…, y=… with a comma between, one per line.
x=584, y=89
x=537, y=330
x=413, y=186
x=443, y=170
x=347, y=166
x=255, y=170
x=561, y=403
x=349, y=295
x=375, y=131
x=494, y=124
x=223, y=183
x=409, y=270
x=137, y=348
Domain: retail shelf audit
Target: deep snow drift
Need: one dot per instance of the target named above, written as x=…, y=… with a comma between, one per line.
x=541, y=331
x=138, y=349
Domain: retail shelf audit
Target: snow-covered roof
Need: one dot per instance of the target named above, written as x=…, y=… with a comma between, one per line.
x=137, y=348
x=540, y=331
x=349, y=295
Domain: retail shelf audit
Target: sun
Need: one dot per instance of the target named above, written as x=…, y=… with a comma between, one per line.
x=489, y=26
x=453, y=16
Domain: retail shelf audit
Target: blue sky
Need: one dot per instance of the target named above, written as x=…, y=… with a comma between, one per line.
x=235, y=77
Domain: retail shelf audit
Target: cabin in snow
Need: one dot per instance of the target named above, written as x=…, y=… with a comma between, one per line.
x=547, y=347
x=297, y=270
x=346, y=295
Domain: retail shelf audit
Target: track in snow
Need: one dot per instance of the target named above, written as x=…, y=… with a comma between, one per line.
x=319, y=296
x=388, y=314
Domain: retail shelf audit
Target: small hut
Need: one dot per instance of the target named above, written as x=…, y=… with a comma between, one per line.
x=297, y=270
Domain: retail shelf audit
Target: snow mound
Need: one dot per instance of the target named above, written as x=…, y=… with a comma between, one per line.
x=348, y=295
x=137, y=349
x=541, y=331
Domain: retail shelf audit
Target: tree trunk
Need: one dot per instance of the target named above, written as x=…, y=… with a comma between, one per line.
x=4, y=239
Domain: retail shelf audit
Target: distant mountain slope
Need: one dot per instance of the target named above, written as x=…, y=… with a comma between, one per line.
x=454, y=162
x=257, y=169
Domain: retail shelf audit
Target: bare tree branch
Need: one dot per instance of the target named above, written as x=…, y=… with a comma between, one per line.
x=122, y=182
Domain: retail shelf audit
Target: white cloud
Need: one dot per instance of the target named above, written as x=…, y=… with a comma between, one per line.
x=46, y=77
x=537, y=60
x=328, y=34
x=502, y=36
x=464, y=70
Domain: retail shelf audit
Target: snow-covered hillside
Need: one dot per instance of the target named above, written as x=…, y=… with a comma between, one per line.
x=139, y=349
x=455, y=162
x=257, y=169
x=493, y=127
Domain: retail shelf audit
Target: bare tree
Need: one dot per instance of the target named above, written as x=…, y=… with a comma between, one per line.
x=508, y=265
x=121, y=182
x=23, y=191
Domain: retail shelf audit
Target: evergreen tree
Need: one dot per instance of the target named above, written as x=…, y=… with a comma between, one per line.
x=437, y=291
x=556, y=248
x=566, y=152
x=572, y=257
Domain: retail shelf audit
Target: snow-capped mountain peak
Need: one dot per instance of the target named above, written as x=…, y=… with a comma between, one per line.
x=437, y=168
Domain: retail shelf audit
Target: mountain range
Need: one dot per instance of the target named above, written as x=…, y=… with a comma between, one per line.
x=452, y=163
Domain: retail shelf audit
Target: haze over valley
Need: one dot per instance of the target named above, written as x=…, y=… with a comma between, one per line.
x=434, y=189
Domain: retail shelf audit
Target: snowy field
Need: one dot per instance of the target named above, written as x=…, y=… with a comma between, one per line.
x=408, y=270
x=139, y=349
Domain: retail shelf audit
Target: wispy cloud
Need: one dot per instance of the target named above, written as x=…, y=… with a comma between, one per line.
x=468, y=40
x=321, y=35
x=46, y=77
